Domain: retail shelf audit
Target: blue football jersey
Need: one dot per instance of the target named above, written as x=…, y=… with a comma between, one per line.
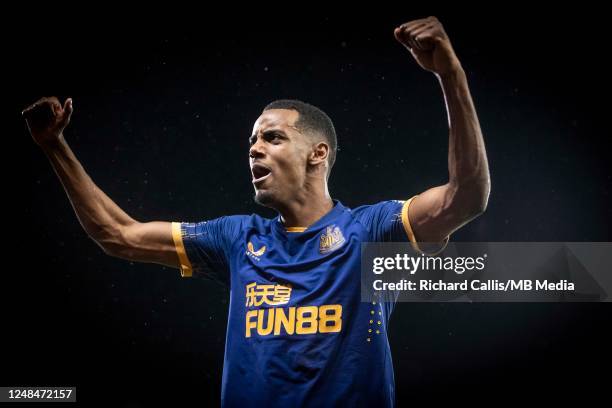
x=298, y=333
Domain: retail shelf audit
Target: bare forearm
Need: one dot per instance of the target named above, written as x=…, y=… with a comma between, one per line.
x=107, y=224
x=441, y=210
x=98, y=214
x=467, y=158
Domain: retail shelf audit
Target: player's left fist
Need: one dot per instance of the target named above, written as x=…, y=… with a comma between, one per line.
x=429, y=45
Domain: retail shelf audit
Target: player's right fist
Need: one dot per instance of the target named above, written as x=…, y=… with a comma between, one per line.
x=47, y=119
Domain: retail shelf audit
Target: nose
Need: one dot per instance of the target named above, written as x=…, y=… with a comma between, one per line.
x=256, y=150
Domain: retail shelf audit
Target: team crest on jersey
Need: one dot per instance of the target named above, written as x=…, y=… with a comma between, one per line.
x=255, y=254
x=331, y=239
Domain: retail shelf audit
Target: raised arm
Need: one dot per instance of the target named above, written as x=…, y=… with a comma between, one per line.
x=105, y=222
x=441, y=210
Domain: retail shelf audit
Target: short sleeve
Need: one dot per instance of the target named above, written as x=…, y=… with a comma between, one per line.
x=204, y=248
x=388, y=221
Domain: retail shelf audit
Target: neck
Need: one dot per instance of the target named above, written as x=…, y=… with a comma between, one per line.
x=307, y=209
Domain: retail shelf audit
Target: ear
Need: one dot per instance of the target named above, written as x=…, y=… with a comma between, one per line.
x=319, y=153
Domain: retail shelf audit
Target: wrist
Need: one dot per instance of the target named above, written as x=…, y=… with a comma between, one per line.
x=53, y=144
x=453, y=74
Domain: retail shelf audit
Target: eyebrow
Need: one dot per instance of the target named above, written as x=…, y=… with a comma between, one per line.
x=268, y=132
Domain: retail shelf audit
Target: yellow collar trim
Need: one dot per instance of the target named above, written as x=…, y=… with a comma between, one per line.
x=295, y=229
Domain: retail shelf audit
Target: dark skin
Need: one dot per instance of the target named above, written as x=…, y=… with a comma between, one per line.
x=297, y=162
x=289, y=167
x=439, y=211
x=105, y=222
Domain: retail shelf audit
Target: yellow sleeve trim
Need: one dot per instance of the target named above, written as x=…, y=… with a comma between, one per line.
x=410, y=233
x=177, y=237
x=407, y=226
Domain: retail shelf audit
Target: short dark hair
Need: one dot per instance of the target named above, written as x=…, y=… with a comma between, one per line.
x=311, y=119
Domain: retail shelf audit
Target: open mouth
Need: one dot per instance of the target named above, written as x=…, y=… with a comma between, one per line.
x=260, y=172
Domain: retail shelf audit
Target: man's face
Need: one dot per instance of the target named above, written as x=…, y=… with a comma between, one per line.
x=278, y=157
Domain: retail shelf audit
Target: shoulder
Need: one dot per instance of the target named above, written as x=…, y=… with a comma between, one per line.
x=380, y=208
x=252, y=222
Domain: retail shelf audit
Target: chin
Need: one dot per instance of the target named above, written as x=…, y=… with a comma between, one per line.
x=265, y=198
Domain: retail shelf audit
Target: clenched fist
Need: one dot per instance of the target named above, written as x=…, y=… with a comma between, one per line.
x=429, y=45
x=47, y=119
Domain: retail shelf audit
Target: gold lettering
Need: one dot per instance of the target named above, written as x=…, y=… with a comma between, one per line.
x=249, y=324
x=287, y=323
x=335, y=318
x=260, y=322
x=306, y=314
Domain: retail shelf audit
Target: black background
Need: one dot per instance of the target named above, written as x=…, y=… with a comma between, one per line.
x=164, y=106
